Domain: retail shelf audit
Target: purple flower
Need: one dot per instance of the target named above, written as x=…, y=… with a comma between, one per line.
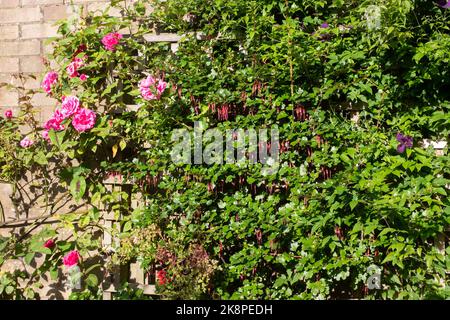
x=324, y=25
x=404, y=142
x=443, y=4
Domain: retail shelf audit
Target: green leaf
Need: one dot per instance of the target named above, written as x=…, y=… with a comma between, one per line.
x=92, y=280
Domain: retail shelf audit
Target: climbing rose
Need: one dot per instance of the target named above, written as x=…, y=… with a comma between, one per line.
x=78, y=62
x=151, y=88
x=84, y=120
x=72, y=70
x=49, y=80
x=26, y=142
x=70, y=106
x=49, y=244
x=111, y=40
x=404, y=142
x=54, y=124
x=44, y=135
x=161, y=87
x=8, y=114
x=71, y=259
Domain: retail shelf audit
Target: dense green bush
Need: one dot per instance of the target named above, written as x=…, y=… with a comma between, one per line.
x=349, y=192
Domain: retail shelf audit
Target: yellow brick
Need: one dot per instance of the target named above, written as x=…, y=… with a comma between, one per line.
x=38, y=30
x=20, y=15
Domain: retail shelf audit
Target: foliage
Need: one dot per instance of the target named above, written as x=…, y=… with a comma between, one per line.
x=343, y=198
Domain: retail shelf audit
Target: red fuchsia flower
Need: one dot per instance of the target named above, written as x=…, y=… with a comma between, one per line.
x=152, y=88
x=49, y=244
x=161, y=275
x=8, y=114
x=404, y=142
x=111, y=40
x=443, y=4
x=50, y=79
x=70, y=106
x=83, y=77
x=26, y=142
x=71, y=259
x=84, y=120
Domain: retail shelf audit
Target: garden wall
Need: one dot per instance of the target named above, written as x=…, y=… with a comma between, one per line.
x=25, y=27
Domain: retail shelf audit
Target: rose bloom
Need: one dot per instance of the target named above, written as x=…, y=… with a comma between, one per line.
x=72, y=70
x=49, y=244
x=83, y=77
x=8, y=114
x=44, y=135
x=149, y=85
x=49, y=80
x=78, y=62
x=111, y=40
x=84, y=120
x=70, y=106
x=26, y=142
x=71, y=259
x=54, y=124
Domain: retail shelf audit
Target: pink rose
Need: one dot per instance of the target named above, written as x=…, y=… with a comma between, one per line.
x=49, y=80
x=151, y=88
x=84, y=120
x=161, y=87
x=83, y=77
x=8, y=114
x=78, y=62
x=111, y=40
x=54, y=124
x=71, y=259
x=26, y=142
x=49, y=244
x=44, y=135
x=70, y=106
x=72, y=70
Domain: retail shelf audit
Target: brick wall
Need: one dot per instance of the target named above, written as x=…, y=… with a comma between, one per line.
x=24, y=27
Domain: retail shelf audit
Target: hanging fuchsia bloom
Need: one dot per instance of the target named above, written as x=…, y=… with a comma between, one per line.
x=8, y=114
x=84, y=120
x=161, y=275
x=50, y=79
x=152, y=88
x=70, y=106
x=404, y=142
x=26, y=142
x=443, y=4
x=71, y=259
x=111, y=40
